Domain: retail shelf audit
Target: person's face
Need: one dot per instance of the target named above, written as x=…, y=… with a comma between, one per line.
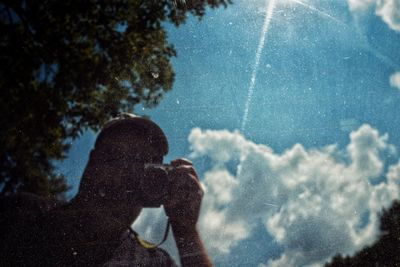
x=133, y=153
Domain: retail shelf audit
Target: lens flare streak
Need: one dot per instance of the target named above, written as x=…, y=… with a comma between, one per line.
x=320, y=12
x=269, y=12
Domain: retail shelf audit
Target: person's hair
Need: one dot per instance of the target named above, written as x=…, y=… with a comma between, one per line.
x=117, y=131
x=127, y=125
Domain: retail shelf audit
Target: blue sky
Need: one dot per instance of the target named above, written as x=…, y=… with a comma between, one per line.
x=323, y=114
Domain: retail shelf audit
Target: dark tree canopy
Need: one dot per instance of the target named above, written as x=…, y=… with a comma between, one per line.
x=70, y=65
x=385, y=252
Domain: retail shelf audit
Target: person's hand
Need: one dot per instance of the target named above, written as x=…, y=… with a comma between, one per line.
x=185, y=195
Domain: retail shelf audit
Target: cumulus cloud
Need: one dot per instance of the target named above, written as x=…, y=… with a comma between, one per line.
x=313, y=202
x=388, y=10
x=395, y=80
x=356, y=5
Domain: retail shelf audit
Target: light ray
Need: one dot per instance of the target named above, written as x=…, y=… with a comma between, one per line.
x=269, y=12
x=319, y=11
x=383, y=58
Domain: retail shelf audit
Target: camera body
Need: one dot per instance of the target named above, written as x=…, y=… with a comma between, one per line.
x=155, y=184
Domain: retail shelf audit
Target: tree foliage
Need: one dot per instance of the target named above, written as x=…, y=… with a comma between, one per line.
x=70, y=65
x=385, y=252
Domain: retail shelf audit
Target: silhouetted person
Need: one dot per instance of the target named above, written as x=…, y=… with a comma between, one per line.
x=92, y=229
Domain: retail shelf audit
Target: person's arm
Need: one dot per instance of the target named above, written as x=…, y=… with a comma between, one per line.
x=190, y=246
x=183, y=211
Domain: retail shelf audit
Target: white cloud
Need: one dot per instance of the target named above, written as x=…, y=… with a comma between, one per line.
x=388, y=10
x=314, y=202
x=360, y=5
x=365, y=145
x=395, y=80
x=221, y=233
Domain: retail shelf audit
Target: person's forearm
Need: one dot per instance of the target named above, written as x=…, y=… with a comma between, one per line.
x=190, y=246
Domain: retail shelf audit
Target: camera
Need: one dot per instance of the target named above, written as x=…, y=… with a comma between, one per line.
x=155, y=184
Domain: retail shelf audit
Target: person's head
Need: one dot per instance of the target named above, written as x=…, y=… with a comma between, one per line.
x=115, y=167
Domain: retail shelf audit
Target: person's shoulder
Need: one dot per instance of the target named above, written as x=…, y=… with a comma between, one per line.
x=19, y=214
x=25, y=206
x=28, y=201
